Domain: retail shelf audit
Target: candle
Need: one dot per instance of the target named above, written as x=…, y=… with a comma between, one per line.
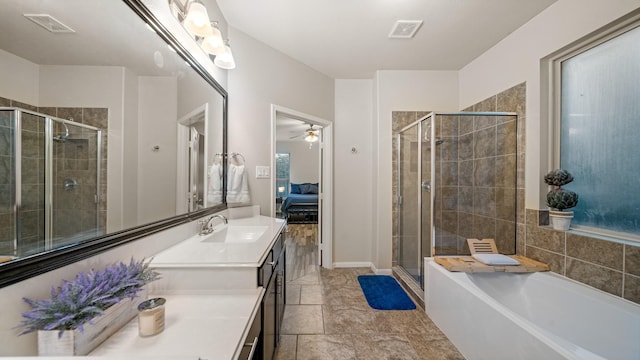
x=151, y=317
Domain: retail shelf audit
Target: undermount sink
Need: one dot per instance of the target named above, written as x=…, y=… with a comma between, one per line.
x=236, y=234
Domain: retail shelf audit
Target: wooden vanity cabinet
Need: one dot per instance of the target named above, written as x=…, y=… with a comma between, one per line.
x=272, y=277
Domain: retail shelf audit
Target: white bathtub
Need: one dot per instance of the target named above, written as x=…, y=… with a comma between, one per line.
x=530, y=316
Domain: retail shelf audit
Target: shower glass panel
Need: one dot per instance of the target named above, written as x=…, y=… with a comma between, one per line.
x=49, y=182
x=457, y=175
x=7, y=185
x=408, y=196
x=75, y=183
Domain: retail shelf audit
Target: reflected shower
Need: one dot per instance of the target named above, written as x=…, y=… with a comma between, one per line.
x=65, y=136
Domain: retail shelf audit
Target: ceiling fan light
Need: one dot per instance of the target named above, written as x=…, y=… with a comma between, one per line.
x=311, y=137
x=197, y=20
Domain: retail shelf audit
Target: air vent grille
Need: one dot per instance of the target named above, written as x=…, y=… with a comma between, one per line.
x=49, y=22
x=405, y=29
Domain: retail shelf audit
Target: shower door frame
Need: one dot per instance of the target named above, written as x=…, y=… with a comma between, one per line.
x=48, y=172
x=418, y=123
x=432, y=116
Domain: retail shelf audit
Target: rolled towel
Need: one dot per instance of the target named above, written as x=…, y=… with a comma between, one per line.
x=495, y=259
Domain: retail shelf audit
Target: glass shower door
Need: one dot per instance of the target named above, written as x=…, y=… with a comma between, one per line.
x=426, y=189
x=75, y=183
x=408, y=198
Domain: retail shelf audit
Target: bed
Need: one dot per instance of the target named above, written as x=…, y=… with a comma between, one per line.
x=301, y=206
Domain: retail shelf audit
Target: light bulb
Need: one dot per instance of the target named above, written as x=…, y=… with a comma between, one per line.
x=197, y=20
x=225, y=60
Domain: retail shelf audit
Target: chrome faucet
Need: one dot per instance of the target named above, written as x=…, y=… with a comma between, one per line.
x=207, y=227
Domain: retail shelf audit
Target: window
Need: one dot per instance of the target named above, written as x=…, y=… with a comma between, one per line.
x=598, y=134
x=282, y=175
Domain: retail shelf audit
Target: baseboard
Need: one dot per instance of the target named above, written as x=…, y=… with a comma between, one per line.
x=381, y=271
x=362, y=264
x=354, y=264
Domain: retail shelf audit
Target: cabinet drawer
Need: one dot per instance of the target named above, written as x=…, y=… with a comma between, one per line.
x=266, y=270
x=252, y=348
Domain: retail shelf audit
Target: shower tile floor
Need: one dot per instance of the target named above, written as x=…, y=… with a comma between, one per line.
x=327, y=315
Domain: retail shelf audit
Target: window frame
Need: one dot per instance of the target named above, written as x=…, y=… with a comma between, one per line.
x=552, y=83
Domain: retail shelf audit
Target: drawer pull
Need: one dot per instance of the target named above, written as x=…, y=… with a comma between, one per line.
x=253, y=348
x=270, y=263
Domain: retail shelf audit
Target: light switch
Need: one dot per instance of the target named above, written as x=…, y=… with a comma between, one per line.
x=262, y=172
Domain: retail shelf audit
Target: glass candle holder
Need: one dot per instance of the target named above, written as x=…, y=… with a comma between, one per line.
x=151, y=317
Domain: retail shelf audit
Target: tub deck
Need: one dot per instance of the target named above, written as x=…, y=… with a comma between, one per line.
x=470, y=265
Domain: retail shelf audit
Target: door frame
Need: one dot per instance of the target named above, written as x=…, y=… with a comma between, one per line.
x=183, y=148
x=325, y=203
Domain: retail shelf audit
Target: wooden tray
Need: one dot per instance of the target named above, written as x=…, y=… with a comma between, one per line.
x=470, y=265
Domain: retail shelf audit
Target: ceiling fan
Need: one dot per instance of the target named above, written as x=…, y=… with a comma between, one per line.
x=310, y=134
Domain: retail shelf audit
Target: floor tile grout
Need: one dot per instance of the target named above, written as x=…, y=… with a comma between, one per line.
x=356, y=330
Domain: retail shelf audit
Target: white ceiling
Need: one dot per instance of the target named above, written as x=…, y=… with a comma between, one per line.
x=107, y=33
x=349, y=38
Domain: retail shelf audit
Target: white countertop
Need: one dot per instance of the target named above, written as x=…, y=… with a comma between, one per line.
x=196, y=251
x=210, y=326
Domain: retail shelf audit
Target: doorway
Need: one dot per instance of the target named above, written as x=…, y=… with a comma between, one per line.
x=315, y=135
x=192, y=161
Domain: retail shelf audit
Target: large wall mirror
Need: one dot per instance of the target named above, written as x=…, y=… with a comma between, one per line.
x=109, y=131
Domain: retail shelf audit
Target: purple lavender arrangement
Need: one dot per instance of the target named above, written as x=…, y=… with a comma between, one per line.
x=76, y=302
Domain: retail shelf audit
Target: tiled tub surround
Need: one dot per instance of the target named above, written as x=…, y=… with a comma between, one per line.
x=609, y=266
x=74, y=212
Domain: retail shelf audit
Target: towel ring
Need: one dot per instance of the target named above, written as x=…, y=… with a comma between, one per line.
x=235, y=155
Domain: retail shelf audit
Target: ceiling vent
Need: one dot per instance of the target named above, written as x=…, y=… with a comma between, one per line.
x=49, y=22
x=405, y=29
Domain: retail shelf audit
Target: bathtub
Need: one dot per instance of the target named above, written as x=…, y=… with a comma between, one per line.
x=530, y=316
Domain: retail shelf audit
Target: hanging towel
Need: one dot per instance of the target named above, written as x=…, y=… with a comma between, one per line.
x=214, y=191
x=237, y=185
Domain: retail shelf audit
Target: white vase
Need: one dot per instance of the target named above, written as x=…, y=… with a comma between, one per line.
x=560, y=220
x=75, y=342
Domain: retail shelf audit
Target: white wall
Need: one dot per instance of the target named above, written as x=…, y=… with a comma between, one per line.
x=19, y=78
x=517, y=58
x=304, y=161
x=400, y=91
x=263, y=77
x=352, y=172
x=129, y=213
x=157, y=126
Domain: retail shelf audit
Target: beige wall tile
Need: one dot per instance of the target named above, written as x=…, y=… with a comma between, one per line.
x=632, y=259
x=597, y=276
x=601, y=252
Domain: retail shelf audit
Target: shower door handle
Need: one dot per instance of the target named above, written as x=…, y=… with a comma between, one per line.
x=426, y=186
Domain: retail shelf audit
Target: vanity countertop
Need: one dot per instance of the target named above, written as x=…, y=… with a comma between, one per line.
x=245, y=249
x=209, y=325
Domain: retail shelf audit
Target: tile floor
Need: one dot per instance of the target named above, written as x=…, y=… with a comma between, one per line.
x=327, y=315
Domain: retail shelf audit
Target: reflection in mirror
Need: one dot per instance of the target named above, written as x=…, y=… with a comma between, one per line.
x=97, y=114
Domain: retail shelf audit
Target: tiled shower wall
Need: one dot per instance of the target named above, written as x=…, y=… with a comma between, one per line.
x=479, y=140
x=74, y=211
x=475, y=192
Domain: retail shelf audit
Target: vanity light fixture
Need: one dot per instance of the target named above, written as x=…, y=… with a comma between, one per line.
x=212, y=42
x=197, y=20
x=225, y=60
x=194, y=17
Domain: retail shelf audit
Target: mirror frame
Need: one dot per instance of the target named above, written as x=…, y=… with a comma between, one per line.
x=24, y=268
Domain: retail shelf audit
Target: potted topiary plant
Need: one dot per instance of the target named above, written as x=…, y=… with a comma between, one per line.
x=83, y=312
x=560, y=199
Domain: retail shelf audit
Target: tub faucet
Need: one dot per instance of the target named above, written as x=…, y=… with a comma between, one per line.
x=207, y=227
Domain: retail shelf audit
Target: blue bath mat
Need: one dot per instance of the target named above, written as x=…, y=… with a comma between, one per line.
x=384, y=293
